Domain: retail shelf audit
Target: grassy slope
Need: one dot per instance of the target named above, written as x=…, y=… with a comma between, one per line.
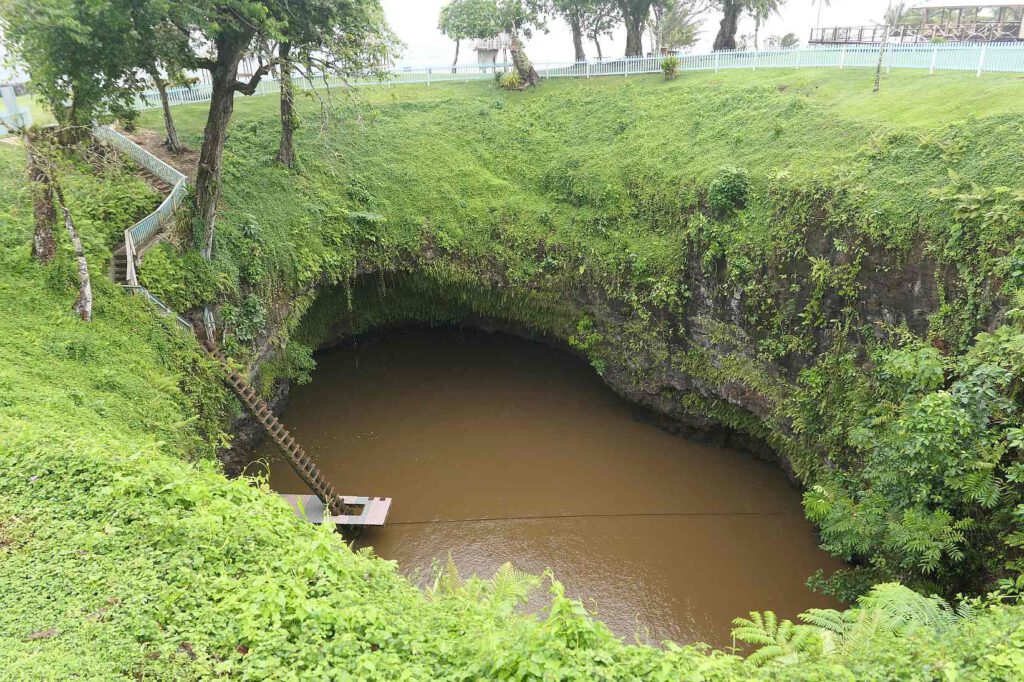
x=454, y=154
x=125, y=554
x=134, y=562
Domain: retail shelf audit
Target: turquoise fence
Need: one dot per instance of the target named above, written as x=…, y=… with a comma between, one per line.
x=141, y=233
x=13, y=118
x=978, y=58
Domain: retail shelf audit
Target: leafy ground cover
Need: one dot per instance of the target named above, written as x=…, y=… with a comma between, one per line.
x=125, y=553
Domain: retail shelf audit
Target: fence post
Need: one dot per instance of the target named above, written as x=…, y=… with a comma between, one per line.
x=842, y=59
x=981, y=60
x=716, y=61
x=428, y=76
x=586, y=69
x=935, y=56
x=799, y=54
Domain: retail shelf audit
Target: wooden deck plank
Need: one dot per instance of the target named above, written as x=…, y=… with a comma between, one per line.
x=374, y=510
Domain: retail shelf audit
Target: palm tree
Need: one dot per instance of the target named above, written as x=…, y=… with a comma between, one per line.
x=895, y=13
x=820, y=4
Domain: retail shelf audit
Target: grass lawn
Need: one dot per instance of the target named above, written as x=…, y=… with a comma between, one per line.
x=907, y=98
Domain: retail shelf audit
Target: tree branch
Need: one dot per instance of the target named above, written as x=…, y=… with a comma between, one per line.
x=250, y=87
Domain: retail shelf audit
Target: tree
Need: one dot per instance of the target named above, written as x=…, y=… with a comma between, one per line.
x=163, y=52
x=601, y=22
x=43, y=172
x=519, y=19
x=635, y=15
x=76, y=54
x=785, y=42
x=895, y=12
x=221, y=33
x=732, y=10
x=83, y=304
x=583, y=17
x=821, y=4
x=44, y=246
x=342, y=45
x=675, y=25
x=464, y=19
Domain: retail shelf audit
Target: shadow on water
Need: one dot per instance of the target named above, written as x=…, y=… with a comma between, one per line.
x=499, y=449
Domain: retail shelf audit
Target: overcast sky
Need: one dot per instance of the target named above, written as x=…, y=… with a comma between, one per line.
x=415, y=21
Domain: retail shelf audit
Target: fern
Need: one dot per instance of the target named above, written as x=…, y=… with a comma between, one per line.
x=890, y=609
x=510, y=586
x=907, y=610
x=781, y=643
x=447, y=580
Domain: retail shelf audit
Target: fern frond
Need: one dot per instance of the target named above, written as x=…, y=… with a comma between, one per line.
x=830, y=620
x=450, y=582
x=512, y=586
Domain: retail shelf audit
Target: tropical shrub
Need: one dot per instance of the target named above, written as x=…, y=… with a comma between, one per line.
x=728, y=190
x=670, y=67
x=511, y=80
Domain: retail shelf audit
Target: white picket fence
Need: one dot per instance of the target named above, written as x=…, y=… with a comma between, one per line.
x=978, y=58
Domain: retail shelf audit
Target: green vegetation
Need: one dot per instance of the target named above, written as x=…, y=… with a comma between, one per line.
x=646, y=207
x=712, y=227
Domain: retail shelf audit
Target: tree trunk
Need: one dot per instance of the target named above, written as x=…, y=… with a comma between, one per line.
x=634, y=37
x=597, y=44
x=726, y=38
x=44, y=246
x=172, y=142
x=222, y=103
x=577, y=37
x=881, y=58
x=527, y=74
x=286, y=150
x=83, y=305
x=455, y=62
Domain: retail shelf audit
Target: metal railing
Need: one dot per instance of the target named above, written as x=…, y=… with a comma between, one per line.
x=13, y=118
x=160, y=305
x=147, y=228
x=138, y=236
x=1005, y=57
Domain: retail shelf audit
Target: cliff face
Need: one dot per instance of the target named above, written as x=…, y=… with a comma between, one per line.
x=698, y=370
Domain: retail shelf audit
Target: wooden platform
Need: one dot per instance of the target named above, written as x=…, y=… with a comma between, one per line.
x=374, y=510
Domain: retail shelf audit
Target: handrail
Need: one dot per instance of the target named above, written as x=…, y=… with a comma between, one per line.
x=141, y=233
x=163, y=307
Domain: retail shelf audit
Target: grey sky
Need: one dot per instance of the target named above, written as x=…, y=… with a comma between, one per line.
x=415, y=21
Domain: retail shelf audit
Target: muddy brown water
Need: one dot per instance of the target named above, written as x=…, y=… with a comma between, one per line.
x=499, y=449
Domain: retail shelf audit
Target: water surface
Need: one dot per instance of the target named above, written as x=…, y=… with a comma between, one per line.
x=498, y=449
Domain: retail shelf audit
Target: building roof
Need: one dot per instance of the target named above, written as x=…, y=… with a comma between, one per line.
x=964, y=4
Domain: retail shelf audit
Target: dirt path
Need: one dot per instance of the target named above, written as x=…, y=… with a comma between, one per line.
x=152, y=142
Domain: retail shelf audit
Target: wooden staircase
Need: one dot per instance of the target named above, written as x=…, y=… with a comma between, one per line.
x=297, y=457
x=327, y=506
x=155, y=182
x=119, y=265
x=119, y=261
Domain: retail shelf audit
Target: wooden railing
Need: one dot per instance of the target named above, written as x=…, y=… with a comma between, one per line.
x=976, y=32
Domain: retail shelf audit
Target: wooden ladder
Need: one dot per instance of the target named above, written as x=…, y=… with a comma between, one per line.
x=306, y=469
